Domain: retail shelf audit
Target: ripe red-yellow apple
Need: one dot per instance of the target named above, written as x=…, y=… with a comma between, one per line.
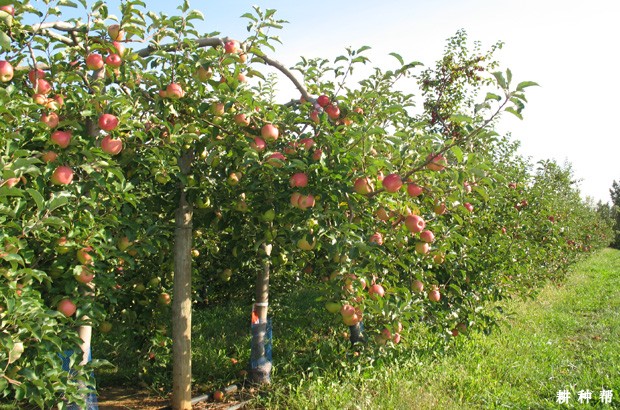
x=115, y=32
x=382, y=214
x=392, y=183
x=61, y=138
x=35, y=74
x=242, y=119
x=39, y=99
x=376, y=238
x=417, y=286
x=8, y=9
x=84, y=256
x=306, y=201
x=351, y=320
x=332, y=111
x=258, y=144
x=66, y=307
x=414, y=190
x=427, y=236
x=295, y=199
x=233, y=178
x=467, y=187
x=108, y=122
x=123, y=243
x=218, y=395
x=307, y=143
x=6, y=71
x=164, y=298
x=94, y=61
x=304, y=245
x=120, y=48
x=396, y=338
x=317, y=154
x=111, y=145
x=314, y=116
x=51, y=119
x=299, y=180
x=114, y=60
x=174, y=91
x=439, y=258
x=440, y=209
x=85, y=275
x=437, y=162
x=218, y=108
x=375, y=291
x=269, y=132
x=322, y=100
x=415, y=223
x=231, y=47
x=422, y=248
x=62, y=175
x=363, y=185
x=42, y=87
x=434, y=295
x=469, y=206
x=347, y=310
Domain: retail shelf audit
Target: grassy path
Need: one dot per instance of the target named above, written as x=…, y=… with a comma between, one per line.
x=567, y=339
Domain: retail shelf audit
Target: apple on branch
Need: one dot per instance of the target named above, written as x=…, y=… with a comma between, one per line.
x=6, y=71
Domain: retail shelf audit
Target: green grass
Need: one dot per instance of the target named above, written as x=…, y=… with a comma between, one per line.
x=567, y=338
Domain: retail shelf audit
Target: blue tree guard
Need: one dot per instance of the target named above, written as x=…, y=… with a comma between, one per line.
x=263, y=363
x=91, y=398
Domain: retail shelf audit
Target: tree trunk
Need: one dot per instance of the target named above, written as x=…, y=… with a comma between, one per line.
x=356, y=334
x=260, y=372
x=182, y=308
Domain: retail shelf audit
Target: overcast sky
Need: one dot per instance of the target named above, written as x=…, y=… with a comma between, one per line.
x=569, y=47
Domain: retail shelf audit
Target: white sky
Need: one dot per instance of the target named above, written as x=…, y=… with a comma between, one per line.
x=569, y=47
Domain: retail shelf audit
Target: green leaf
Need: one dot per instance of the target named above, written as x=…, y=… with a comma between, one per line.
x=491, y=96
x=525, y=84
x=499, y=76
x=398, y=57
x=37, y=197
x=514, y=112
x=508, y=76
x=5, y=41
x=457, y=152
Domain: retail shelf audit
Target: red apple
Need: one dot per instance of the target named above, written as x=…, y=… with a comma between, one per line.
x=469, y=206
x=351, y=320
x=49, y=156
x=333, y=111
x=108, y=122
x=174, y=91
x=66, y=307
x=299, y=180
x=437, y=162
x=322, y=100
x=375, y=291
x=111, y=145
x=39, y=99
x=42, y=87
x=269, y=132
x=51, y=119
x=512, y=185
x=35, y=74
x=8, y=9
x=392, y=183
x=9, y=182
x=218, y=109
x=94, y=61
x=427, y=236
x=61, y=138
x=306, y=201
x=417, y=286
x=85, y=275
x=422, y=248
x=434, y=295
x=382, y=214
x=308, y=143
x=314, y=116
x=120, y=48
x=116, y=33
x=295, y=199
x=363, y=185
x=6, y=71
x=439, y=209
x=276, y=160
x=415, y=223
x=164, y=299
x=376, y=238
x=218, y=395
x=396, y=338
x=62, y=175
x=84, y=256
x=467, y=187
x=414, y=190
x=258, y=144
x=347, y=310
x=114, y=60
x=231, y=47
x=242, y=119
x=317, y=154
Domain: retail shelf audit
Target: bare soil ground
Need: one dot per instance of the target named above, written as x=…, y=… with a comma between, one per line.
x=123, y=398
